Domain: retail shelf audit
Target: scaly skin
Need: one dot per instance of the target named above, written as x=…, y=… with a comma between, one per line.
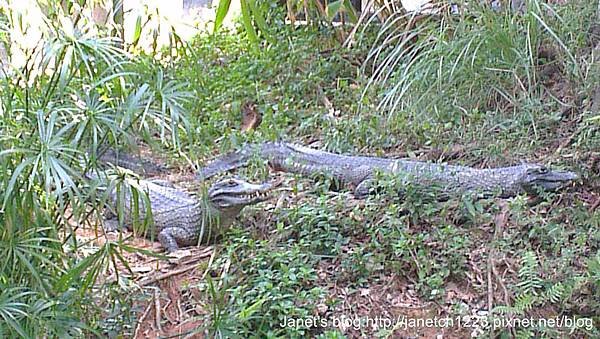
x=179, y=218
x=138, y=165
x=361, y=170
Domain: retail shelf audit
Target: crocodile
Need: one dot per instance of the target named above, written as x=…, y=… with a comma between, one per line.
x=361, y=171
x=135, y=163
x=178, y=217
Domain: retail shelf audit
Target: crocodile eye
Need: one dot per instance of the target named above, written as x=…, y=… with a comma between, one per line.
x=231, y=183
x=543, y=170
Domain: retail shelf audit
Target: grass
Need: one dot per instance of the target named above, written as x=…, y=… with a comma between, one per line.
x=493, y=105
x=485, y=90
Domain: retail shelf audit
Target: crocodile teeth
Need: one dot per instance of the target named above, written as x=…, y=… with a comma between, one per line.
x=254, y=195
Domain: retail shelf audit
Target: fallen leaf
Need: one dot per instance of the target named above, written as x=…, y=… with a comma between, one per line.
x=250, y=117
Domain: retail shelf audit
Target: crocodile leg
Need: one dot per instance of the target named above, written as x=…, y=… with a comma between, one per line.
x=111, y=224
x=170, y=238
x=363, y=189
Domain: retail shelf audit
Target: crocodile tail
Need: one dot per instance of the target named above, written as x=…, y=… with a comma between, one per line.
x=131, y=162
x=274, y=152
x=226, y=163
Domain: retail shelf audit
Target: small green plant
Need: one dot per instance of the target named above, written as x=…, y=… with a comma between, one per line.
x=534, y=292
x=271, y=283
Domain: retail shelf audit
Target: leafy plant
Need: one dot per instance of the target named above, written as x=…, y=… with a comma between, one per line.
x=481, y=54
x=64, y=101
x=535, y=293
x=256, y=17
x=270, y=285
x=252, y=15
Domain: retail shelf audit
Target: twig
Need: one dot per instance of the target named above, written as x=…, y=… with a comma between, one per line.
x=151, y=280
x=167, y=313
x=141, y=320
x=224, y=272
x=358, y=24
x=157, y=308
x=179, y=310
x=499, y=223
x=595, y=205
x=325, y=101
x=210, y=261
x=490, y=289
x=501, y=283
x=566, y=142
x=192, y=258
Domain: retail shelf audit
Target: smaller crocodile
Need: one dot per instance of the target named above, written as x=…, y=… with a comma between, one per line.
x=361, y=171
x=134, y=163
x=180, y=218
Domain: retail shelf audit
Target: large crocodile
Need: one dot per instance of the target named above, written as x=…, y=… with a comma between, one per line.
x=361, y=171
x=178, y=217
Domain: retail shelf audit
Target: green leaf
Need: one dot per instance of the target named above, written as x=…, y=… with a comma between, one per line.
x=137, y=31
x=247, y=312
x=596, y=118
x=65, y=69
x=260, y=20
x=247, y=21
x=75, y=272
x=12, y=309
x=350, y=11
x=222, y=11
x=13, y=181
x=341, y=6
x=333, y=8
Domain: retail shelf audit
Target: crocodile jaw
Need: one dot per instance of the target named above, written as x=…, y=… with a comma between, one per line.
x=237, y=193
x=540, y=177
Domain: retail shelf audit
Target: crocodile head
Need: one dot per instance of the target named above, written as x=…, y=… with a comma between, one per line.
x=540, y=177
x=234, y=194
